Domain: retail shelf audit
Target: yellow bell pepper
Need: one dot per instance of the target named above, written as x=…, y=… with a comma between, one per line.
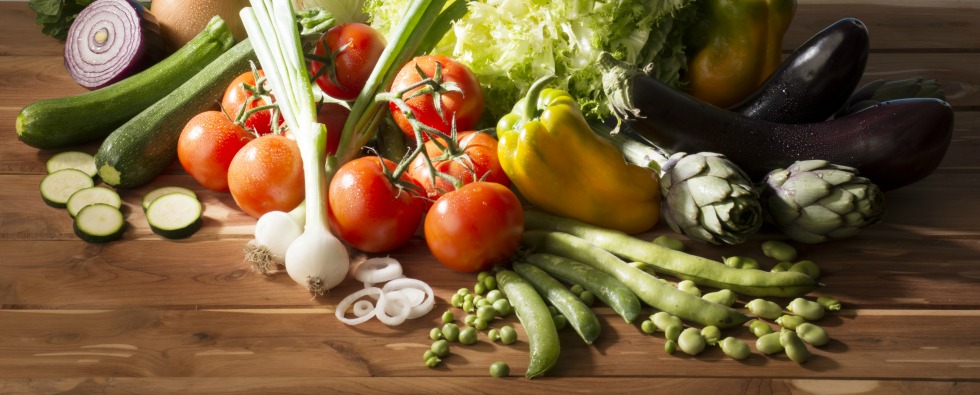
x=561, y=166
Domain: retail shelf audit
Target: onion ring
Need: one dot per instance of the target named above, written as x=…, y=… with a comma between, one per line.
x=394, y=300
x=363, y=307
x=378, y=270
x=344, y=304
x=420, y=309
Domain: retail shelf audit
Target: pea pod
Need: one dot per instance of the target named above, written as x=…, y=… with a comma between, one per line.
x=649, y=289
x=685, y=266
x=532, y=312
x=579, y=315
x=609, y=290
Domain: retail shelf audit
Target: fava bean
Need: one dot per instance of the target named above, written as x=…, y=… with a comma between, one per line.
x=778, y=250
x=735, y=348
x=741, y=262
x=532, y=312
x=806, y=267
x=450, y=331
x=669, y=242
x=711, y=334
x=769, y=344
x=789, y=321
x=794, y=346
x=691, y=342
x=499, y=369
x=572, y=310
x=809, y=310
x=689, y=287
x=723, y=297
x=610, y=291
x=812, y=334
x=764, y=308
x=759, y=328
x=828, y=303
x=467, y=336
x=782, y=266
x=662, y=320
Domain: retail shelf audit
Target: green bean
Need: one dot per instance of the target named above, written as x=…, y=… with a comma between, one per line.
x=806, y=267
x=450, y=331
x=652, y=291
x=790, y=321
x=678, y=264
x=759, y=328
x=764, y=308
x=794, y=346
x=542, y=336
x=723, y=297
x=647, y=327
x=735, y=348
x=440, y=348
x=769, y=344
x=828, y=303
x=809, y=310
x=508, y=335
x=778, y=250
x=670, y=346
x=711, y=334
x=467, y=336
x=448, y=317
x=812, y=334
x=572, y=308
x=782, y=266
x=609, y=290
x=741, y=262
x=499, y=369
x=673, y=332
x=503, y=307
x=669, y=242
x=689, y=287
x=691, y=342
x=435, y=334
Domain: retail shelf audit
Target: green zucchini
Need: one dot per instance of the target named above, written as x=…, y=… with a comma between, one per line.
x=146, y=145
x=57, y=187
x=160, y=191
x=175, y=215
x=99, y=223
x=72, y=120
x=92, y=195
x=72, y=160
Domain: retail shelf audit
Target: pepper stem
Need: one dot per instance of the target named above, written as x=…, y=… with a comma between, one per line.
x=531, y=99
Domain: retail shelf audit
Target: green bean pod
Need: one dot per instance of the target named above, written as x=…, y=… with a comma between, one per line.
x=649, y=289
x=579, y=315
x=676, y=263
x=532, y=312
x=609, y=290
x=794, y=346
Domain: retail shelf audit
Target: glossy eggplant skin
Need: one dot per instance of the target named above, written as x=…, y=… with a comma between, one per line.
x=893, y=143
x=815, y=80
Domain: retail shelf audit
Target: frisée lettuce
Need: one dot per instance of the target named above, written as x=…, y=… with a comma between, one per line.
x=509, y=44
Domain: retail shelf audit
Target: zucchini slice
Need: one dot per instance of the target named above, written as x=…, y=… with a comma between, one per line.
x=99, y=223
x=152, y=195
x=58, y=186
x=92, y=195
x=72, y=160
x=174, y=215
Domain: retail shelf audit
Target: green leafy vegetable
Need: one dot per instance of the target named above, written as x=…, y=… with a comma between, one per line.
x=509, y=44
x=56, y=16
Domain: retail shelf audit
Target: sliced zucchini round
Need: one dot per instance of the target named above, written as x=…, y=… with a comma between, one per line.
x=174, y=215
x=92, y=195
x=72, y=160
x=99, y=223
x=152, y=195
x=58, y=186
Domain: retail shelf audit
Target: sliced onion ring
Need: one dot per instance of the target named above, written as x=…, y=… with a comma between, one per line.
x=378, y=270
x=363, y=307
x=346, y=303
x=417, y=310
x=393, y=301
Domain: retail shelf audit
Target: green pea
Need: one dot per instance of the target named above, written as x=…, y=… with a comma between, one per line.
x=450, y=331
x=486, y=313
x=463, y=291
x=508, y=335
x=553, y=311
x=493, y=335
x=448, y=317
x=480, y=323
x=647, y=327
x=499, y=369
x=490, y=283
x=735, y=348
x=479, y=288
x=477, y=300
x=669, y=242
x=809, y=310
x=469, y=306
x=691, y=342
x=723, y=297
x=794, y=346
x=435, y=334
x=673, y=332
x=440, y=348
x=428, y=354
x=711, y=334
x=828, y=303
x=689, y=287
x=670, y=346
x=503, y=307
x=456, y=300
x=807, y=267
x=812, y=334
x=741, y=262
x=759, y=328
x=467, y=336
x=494, y=295
x=782, y=266
x=587, y=297
x=764, y=308
x=560, y=321
x=769, y=344
x=778, y=250
x=470, y=319
x=576, y=289
x=790, y=321
x=483, y=275
x=433, y=362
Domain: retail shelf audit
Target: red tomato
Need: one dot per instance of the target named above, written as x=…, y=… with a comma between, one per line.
x=476, y=161
x=206, y=147
x=333, y=116
x=267, y=175
x=466, y=106
x=353, y=50
x=236, y=97
x=474, y=227
x=367, y=211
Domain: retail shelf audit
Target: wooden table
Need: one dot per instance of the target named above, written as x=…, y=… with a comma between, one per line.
x=153, y=315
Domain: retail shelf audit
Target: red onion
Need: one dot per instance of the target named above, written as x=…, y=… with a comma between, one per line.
x=111, y=40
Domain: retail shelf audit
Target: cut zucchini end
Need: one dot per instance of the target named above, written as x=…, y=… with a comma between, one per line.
x=110, y=175
x=19, y=124
x=99, y=223
x=57, y=187
x=175, y=215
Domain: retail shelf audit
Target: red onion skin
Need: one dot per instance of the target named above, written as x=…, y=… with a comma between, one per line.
x=142, y=43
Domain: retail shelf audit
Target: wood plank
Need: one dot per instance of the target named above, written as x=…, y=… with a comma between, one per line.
x=865, y=345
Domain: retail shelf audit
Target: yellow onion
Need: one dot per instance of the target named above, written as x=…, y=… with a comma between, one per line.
x=181, y=20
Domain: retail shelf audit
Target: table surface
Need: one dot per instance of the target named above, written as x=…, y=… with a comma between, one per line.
x=152, y=315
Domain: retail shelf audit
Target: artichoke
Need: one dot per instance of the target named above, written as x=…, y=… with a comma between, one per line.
x=708, y=198
x=814, y=201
